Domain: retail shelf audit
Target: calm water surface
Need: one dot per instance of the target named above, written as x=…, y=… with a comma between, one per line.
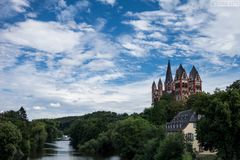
x=61, y=150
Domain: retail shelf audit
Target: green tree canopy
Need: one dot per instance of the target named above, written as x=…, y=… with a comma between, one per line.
x=38, y=135
x=22, y=113
x=171, y=148
x=126, y=138
x=164, y=110
x=219, y=127
x=235, y=85
x=90, y=126
x=10, y=137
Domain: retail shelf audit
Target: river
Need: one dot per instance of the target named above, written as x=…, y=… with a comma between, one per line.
x=61, y=150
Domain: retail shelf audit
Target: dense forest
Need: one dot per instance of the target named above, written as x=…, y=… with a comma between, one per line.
x=137, y=136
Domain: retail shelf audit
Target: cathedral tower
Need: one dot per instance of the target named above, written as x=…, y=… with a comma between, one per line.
x=168, y=84
x=154, y=91
x=160, y=87
x=195, y=82
x=181, y=84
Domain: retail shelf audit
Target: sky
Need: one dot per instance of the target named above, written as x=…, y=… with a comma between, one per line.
x=72, y=57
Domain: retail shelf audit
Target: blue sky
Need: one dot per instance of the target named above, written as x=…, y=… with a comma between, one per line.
x=71, y=57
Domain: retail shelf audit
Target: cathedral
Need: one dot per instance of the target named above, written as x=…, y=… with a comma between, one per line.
x=181, y=87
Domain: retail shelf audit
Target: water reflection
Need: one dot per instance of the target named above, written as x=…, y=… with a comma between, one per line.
x=61, y=150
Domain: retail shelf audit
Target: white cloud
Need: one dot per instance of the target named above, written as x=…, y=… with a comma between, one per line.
x=100, y=65
x=41, y=88
x=19, y=5
x=13, y=7
x=197, y=27
x=140, y=25
x=8, y=54
x=56, y=105
x=39, y=108
x=31, y=15
x=45, y=36
x=73, y=80
x=132, y=47
x=168, y=4
x=222, y=35
x=67, y=13
x=110, y=2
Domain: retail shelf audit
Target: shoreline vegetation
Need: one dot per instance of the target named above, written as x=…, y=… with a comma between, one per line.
x=137, y=136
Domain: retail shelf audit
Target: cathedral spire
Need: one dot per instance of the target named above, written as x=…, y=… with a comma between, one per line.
x=154, y=87
x=159, y=82
x=160, y=88
x=168, y=84
x=169, y=78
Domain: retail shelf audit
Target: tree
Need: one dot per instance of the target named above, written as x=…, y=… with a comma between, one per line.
x=130, y=135
x=22, y=114
x=127, y=138
x=51, y=127
x=219, y=129
x=235, y=85
x=171, y=148
x=102, y=145
x=10, y=137
x=164, y=110
x=38, y=135
x=90, y=126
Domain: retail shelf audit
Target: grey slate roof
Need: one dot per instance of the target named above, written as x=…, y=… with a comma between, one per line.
x=180, y=71
x=154, y=85
x=181, y=120
x=193, y=73
x=159, y=82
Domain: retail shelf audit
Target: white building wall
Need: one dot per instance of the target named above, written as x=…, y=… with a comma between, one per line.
x=191, y=128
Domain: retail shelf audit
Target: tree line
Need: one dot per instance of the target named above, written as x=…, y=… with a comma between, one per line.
x=19, y=136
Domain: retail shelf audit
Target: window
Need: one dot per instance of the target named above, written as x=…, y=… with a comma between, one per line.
x=189, y=137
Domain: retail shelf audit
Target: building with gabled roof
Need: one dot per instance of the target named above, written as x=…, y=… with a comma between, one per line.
x=185, y=122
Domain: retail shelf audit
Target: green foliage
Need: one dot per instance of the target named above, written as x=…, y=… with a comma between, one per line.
x=91, y=125
x=33, y=134
x=171, y=148
x=187, y=156
x=199, y=102
x=22, y=113
x=150, y=148
x=64, y=123
x=38, y=135
x=19, y=119
x=164, y=110
x=10, y=137
x=103, y=145
x=235, y=85
x=220, y=127
x=52, y=130
x=130, y=135
x=127, y=137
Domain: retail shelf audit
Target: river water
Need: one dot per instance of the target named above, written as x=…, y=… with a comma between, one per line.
x=61, y=150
